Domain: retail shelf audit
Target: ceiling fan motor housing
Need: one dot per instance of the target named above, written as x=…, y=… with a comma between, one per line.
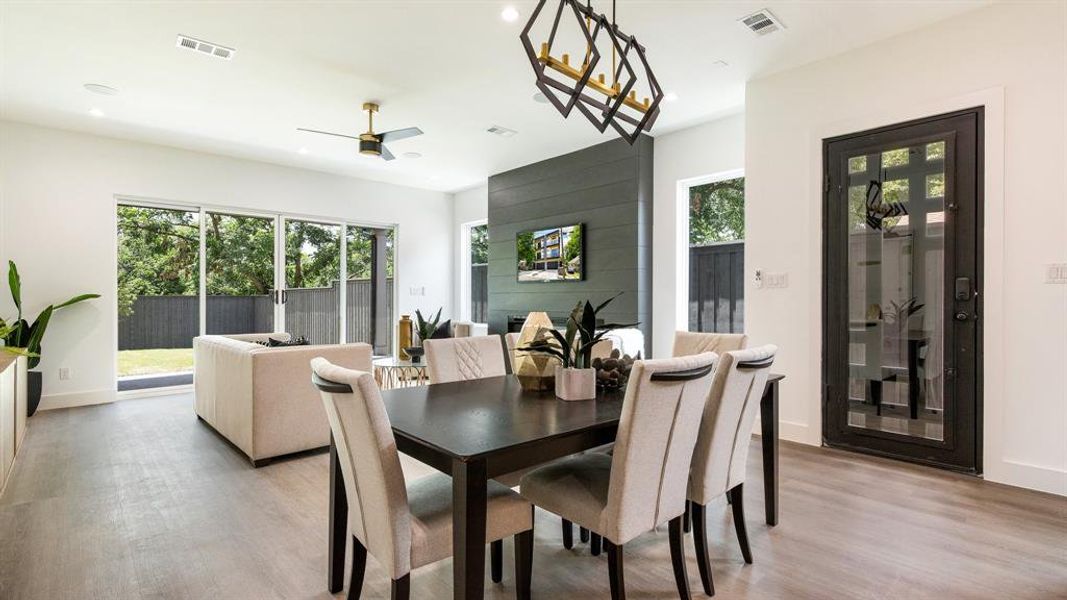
x=369, y=144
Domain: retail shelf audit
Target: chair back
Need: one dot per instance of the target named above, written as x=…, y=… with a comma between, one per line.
x=657, y=433
x=463, y=359
x=511, y=340
x=729, y=416
x=378, y=512
x=687, y=343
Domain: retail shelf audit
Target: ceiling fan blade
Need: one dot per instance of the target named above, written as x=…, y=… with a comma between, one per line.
x=399, y=134
x=386, y=154
x=351, y=137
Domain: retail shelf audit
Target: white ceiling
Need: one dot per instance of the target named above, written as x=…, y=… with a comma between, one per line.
x=452, y=68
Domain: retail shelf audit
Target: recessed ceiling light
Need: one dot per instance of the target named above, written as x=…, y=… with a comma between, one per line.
x=501, y=131
x=302, y=151
x=99, y=88
x=96, y=112
x=509, y=14
x=540, y=97
x=411, y=155
x=670, y=97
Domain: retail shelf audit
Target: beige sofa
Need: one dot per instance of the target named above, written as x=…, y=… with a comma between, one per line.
x=261, y=399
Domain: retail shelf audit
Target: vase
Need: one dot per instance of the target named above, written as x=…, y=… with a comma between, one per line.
x=575, y=384
x=33, y=392
x=404, y=330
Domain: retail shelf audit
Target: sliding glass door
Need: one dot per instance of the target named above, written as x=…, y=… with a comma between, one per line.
x=184, y=272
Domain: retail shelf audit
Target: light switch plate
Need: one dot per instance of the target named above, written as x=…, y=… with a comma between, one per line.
x=1056, y=273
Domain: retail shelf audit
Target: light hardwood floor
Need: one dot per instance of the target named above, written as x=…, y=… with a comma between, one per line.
x=138, y=499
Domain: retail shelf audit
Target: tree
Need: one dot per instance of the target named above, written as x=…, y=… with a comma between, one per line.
x=525, y=248
x=240, y=255
x=717, y=212
x=480, y=245
x=312, y=254
x=574, y=245
x=158, y=254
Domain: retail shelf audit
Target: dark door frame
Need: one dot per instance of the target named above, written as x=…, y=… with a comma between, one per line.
x=834, y=260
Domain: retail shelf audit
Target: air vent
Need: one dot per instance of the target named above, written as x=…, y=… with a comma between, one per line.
x=501, y=131
x=762, y=23
x=203, y=47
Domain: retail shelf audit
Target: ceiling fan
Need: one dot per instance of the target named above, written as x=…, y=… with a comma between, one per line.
x=371, y=143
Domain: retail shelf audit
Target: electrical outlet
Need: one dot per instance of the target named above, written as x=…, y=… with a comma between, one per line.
x=64, y=373
x=1056, y=273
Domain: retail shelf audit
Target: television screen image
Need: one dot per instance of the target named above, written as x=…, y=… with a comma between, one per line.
x=551, y=254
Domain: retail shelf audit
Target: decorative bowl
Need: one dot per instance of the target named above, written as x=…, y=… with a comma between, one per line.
x=415, y=352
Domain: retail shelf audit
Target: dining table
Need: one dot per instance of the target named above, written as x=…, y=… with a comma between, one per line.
x=480, y=429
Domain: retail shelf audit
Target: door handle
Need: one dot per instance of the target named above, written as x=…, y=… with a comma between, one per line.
x=962, y=316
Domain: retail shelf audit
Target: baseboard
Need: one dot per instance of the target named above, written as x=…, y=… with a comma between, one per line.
x=1034, y=477
x=72, y=399
x=791, y=432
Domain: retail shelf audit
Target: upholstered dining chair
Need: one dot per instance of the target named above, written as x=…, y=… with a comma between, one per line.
x=643, y=483
x=404, y=525
x=687, y=343
x=721, y=452
x=463, y=359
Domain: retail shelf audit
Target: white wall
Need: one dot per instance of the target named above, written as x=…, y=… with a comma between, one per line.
x=1009, y=57
x=57, y=204
x=710, y=149
x=468, y=205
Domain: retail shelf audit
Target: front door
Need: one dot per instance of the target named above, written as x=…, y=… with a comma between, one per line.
x=902, y=289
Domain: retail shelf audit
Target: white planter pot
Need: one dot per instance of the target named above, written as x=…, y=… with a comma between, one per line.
x=575, y=384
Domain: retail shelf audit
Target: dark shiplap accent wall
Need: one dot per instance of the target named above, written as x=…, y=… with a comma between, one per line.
x=607, y=188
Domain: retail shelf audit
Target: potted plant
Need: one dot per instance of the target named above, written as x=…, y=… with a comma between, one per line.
x=20, y=337
x=425, y=330
x=575, y=375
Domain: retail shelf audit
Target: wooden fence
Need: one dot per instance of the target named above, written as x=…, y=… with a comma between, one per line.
x=717, y=288
x=173, y=321
x=480, y=293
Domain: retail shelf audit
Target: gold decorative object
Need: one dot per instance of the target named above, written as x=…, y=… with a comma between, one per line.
x=536, y=371
x=404, y=329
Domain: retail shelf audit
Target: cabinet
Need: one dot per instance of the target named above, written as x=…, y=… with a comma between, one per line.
x=12, y=412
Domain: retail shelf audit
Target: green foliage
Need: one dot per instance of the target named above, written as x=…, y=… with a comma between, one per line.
x=525, y=248
x=480, y=245
x=158, y=254
x=312, y=254
x=240, y=255
x=22, y=337
x=574, y=245
x=574, y=347
x=717, y=212
x=426, y=328
x=360, y=243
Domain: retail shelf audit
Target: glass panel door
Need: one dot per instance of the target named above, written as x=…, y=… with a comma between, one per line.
x=158, y=295
x=311, y=297
x=901, y=281
x=369, y=287
x=239, y=263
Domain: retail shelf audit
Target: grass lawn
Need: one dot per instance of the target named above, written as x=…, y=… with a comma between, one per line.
x=156, y=361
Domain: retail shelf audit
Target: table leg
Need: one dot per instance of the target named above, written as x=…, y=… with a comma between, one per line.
x=469, y=484
x=338, y=524
x=769, y=439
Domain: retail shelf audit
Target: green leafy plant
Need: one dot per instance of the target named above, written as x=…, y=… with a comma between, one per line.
x=574, y=347
x=426, y=328
x=899, y=315
x=21, y=337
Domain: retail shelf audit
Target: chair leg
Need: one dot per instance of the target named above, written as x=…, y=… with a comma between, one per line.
x=496, y=560
x=583, y=534
x=359, y=568
x=700, y=540
x=677, y=538
x=737, y=503
x=523, y=564
x=568, y=534
x=686, y=518
x=615, y=570
x=401, y=588
x=594, y=544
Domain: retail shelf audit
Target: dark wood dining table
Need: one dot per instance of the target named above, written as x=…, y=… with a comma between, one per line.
x=477, y=430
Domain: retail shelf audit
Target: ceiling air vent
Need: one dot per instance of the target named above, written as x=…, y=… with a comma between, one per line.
x=203, y=47
x=762, y=22
x=501, y=131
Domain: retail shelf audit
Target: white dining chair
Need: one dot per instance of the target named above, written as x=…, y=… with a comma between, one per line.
x=404, y=525
x=687, y=343
x=721, y=453
x=643, y=484
x=464, y=359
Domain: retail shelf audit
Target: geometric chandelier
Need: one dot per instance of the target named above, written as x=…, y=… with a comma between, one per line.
x=605, y=99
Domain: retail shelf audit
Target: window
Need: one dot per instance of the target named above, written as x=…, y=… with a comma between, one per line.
x=716, y=255
x=475, y=276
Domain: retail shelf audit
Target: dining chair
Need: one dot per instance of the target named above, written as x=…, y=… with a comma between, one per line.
x=643, y=483
x=687, y=343
x=463, y=359
x=721, y=452
x=404, y=525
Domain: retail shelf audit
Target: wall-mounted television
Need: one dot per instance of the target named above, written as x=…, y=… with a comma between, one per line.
x=551, y=254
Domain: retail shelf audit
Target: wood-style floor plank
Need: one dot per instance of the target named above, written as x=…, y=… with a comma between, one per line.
x=138, y=499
